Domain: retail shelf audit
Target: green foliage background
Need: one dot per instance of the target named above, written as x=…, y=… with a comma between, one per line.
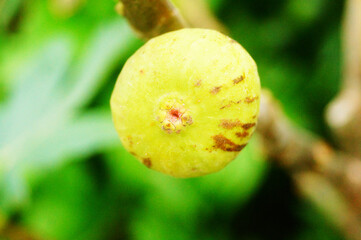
x=63, y=172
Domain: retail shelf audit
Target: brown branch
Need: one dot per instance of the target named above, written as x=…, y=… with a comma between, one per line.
x=329, y=178
x=352, y=44
x=344, y=112
x=152, y=17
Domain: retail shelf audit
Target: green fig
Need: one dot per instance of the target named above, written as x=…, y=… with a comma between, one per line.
x=187, y=102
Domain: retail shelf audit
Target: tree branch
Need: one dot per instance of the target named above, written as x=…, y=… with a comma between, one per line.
x=344, y=112
x=152, y=17
x=329, y=178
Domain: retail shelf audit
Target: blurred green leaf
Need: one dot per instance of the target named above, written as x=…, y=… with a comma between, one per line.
x=89, y=133
x=108, y=44
x=304, y=12
x=39, y=123
x=66, y=200
x=35, y=93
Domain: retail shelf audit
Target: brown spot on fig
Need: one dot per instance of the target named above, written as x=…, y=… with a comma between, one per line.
x=230, y=104
x=198, y=83
x=242, y=135
x=147, y=162
x=254, y=116
x=216, y=90
x=250, y=99
x=130, y=140
x=230, y=124
x=209, y=149
x=247, y=126
x=238, y=80
x=223, y=143
x=133, y=153
x=141, y=71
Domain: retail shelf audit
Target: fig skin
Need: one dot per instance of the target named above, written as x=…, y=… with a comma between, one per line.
x=187, y=102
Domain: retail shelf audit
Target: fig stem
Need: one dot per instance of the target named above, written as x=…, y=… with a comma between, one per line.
x=151, y=18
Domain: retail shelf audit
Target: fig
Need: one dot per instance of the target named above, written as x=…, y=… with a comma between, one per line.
x=187, y=102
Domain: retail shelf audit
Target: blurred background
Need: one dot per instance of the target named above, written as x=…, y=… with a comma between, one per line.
x=63, y=172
